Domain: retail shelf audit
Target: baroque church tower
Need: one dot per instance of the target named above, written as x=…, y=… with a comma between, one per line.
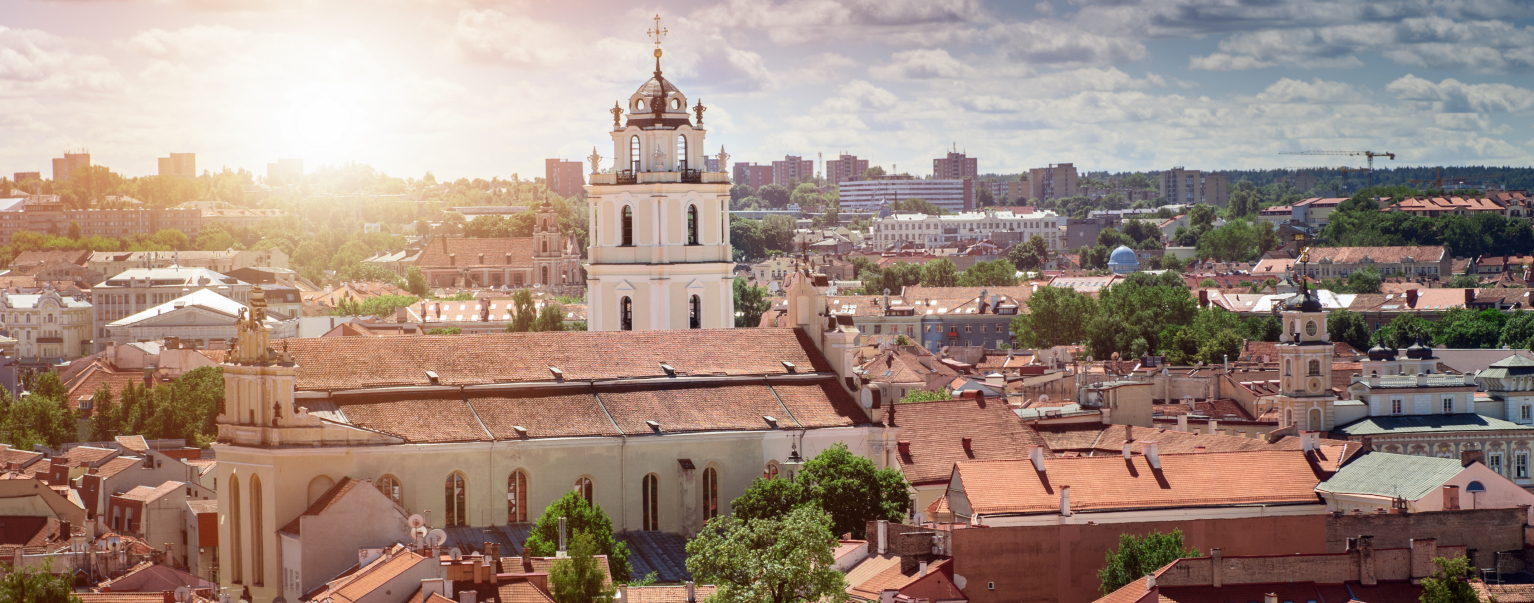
x=1305, y=351
x=660, y=255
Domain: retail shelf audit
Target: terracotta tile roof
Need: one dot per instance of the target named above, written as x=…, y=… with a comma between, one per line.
x=151, y=493
x=22, y=458
x=1256, y=351
x=120, y=597
x=876, y=574
x=544, y=564
x=94, y=378
x=522, y=591
x=668, y=594
x=820, y=403
x=507, y=252
x=323, y=502
x=1102, y=483
x=33, y=257
x=217, y=356
x=1220, y=409
x=202, y=506
x=360, y=582
x=935, y=432
x=415, y=416
x=1108, y=440
x=135, y=443
x=909, y=364
x=359, y=362
x=118, y=465
x=86, y=454
x=1458, y=205
x=544, y=414
x=28, y=530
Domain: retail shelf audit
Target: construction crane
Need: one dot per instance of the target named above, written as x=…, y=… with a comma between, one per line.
x=1369, y=154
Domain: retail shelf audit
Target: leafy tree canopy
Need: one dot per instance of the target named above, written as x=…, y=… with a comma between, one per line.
x=1141, y=555
x=779, y=559
x=581, y=518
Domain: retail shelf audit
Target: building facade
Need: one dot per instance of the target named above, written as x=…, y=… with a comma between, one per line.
x=47, y=214
x=1056, y=181
x=660, y=255
x=547, y=259
x=65, y=166
x=792, y=169
x=1182, y=185
x=934, y=231
x=845, y=168
x=179, y=164
x=47, y=325
x=871, y=195
x=955, y=166
x=138, y=289
x=752, y=175
x=564, y=178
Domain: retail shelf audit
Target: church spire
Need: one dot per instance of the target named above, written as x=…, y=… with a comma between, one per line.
x=656, y=33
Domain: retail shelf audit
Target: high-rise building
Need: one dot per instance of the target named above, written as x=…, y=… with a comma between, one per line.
x=65, y=166
x=711, y=164
x=285, y=169
x=564, y=178
x=1005, y=191
x=1053, y=182
x=752, y=175
x=791, y=169
x=1182, y=185
x=179, y=164
x=660, y=255
x=847, y=168
x=956, y=166
x=21, y=177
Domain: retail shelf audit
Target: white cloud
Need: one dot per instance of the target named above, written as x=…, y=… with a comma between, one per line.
x=1316, y=91
x=1048, y=42
x=921, y=64
x=33, y=61
x=799, y=21
x=1433, y=42
x=514, y=39
x=1453, y=96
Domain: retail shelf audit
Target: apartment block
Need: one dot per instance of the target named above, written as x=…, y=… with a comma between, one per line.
x=711, y=165
x=47, y=214
x=1053, y=182
x=955, y=166
x=1182, y=185
x=65, y=166
x=870, y=195
x=1005, y=192
x=846, y=168
x=750, y=174
x=179, y=164
x=791, y=169
x=21, y=177
x=285, y=169
x=564, y=178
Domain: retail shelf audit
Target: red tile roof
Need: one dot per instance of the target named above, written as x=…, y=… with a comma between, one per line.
x=1103, y=483
x=935, y=434
x=506, y=252
x=28, y=530
x=522, y=591
x=668, y=594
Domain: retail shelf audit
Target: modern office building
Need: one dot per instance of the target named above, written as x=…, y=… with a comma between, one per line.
x=870, y=195
x=564, y=178
x=1053, y=182
x=933, y=231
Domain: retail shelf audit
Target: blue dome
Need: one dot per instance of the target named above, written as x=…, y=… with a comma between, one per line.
x=1123, y=260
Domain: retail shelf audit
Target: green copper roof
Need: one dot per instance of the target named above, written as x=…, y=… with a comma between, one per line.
x=1386, y=474
x=1402, y=424
x=1513, y=365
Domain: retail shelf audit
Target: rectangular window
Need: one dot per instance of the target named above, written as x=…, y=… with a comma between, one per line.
x=1494, y=462
x=1520, y=465
x=878, y=329
x=1526, y=412
x=969, y=328
x=1448, y=405
x=1395, y=407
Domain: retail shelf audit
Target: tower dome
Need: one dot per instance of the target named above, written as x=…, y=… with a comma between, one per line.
x=1123, y=260
x=1417, y=351
x=1378, y=352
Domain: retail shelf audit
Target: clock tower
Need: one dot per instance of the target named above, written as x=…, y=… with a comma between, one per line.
x=1305, y=351
x=660, y=255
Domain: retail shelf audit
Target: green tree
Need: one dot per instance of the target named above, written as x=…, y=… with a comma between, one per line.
x=445, y=331
x=922, y=395
x=580, y=518
x=1056, y=316
x=778, y=233
x=1467, y=328
x=1142, y=306
x=1463, y=281
x=1518, y=333
x=1403, y=331
x=1201, y=217
x=415, y=282
x=578, y=578
x=1449, y=583
x=36, y=585
x=940, y=272
x=837, y=481
x=1141, y=555
x=916, y=206
x=750, y=303
x=1263, y=328
x=785, y=559
x=550, y=318
x=995, y=273
x=1364, y=281
x=37, y=419
x=774, y=195
x=74, y=230
x=526, y=312
x=103, y=416
x=1349, y=327
x=740, y=191
x=746, y=238
x=1030, y=255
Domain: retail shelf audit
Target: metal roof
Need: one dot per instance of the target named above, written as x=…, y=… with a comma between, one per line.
x=1385, y=474
x=1403, y=424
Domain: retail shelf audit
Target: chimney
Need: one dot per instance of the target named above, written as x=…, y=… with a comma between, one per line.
x=561, y=552
x=1469, y=296
x=527, y=559
x=170, y=551
x=884, y=527
x=887, y=596
x=692, y=592
x=1214, y=566
x=1411, y=298
x=1151, y=450
x=1182, y=423
x=1214, y=426
x=1451, y=498
x=466, y=596
x=1366, y=561
x=1036, y=454
x=1468, y=457
x=1203, y=298
x=1200, y=449
x=1150, y=581
x=969, y=446
x=433, y=585
x=1270, y=598
x=401, y=314
x=623, y=593
x=1065, y=501
x=921, y=571
x=905, y=447
x=1127, y=454
x=1304, y=441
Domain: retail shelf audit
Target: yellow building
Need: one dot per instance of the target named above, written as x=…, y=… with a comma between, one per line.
x=1305, y=396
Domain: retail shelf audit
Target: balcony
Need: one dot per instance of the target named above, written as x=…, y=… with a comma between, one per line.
x=683, y=177
x=50, y=340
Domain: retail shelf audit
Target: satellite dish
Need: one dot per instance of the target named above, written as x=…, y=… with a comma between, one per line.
x=181, y=593
x=436, y=538
x=419, y=532
x=455, y=554
x=1043, y=398
x=114, y=543
x=417, y=521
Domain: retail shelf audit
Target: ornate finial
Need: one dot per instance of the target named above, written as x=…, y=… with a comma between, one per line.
x=723, y=157
x=656, y=34
x=617, y=112
x=660, y=159
x=699, y=109
x=596, y=161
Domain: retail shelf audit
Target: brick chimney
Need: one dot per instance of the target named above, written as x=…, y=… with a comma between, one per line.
x=1451, y=498
x=1036, y=454
x=1366, y=561
x=1471, y=456
x=1214, y=567
x=1270, y=598
x=969, y=446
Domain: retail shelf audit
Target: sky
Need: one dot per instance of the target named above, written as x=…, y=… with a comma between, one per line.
x=482, y=88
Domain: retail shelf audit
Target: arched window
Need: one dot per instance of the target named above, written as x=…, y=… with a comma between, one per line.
x=545, y=246
x=516, y=497
x=634, y=153
x=1288, y=417
x=651, y=496
x=628, y=226
x=692, y=225
x=695, y=313
x=681, y=152
x=1314, y=368
x=626, y=314
x=1288, y=367
x=771, y=472
x=545, y=275
x=710, y=493
x=257, y=533
x=457, y=500
x=583, y=486
x=390, y=486
x=237, y=569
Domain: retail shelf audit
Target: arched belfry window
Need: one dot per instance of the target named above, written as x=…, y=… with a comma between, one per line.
x=681, y=152
x=695, y=312
x=583, y=487
x=516, y=497
x=457, y=500
x=651, y=496
x=634, y=153
x=628, y=226
x=1314, y=368
x=710, y=493
x=626, y=314
x=692, y=225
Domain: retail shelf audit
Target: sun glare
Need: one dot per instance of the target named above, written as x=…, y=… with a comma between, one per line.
x=319, y=123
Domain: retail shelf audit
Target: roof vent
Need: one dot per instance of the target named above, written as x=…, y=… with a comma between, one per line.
x=433, y=378
x=655, y=427
x=521, y=431
x=771, y=420
x=559, y=375
x=789, y=366
x=670, y=370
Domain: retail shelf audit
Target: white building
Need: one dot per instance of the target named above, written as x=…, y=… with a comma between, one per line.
x=932, y=231
x=1374, y=482
x=199, y=319
x=133, y=291
x=47, y=325
x=660, y=255
x=870, y=195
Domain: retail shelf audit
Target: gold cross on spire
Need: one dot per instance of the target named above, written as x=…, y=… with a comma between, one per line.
x=656, y=34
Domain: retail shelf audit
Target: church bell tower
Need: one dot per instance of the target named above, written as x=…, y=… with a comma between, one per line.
x=1305, y=352
x=660, y=255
